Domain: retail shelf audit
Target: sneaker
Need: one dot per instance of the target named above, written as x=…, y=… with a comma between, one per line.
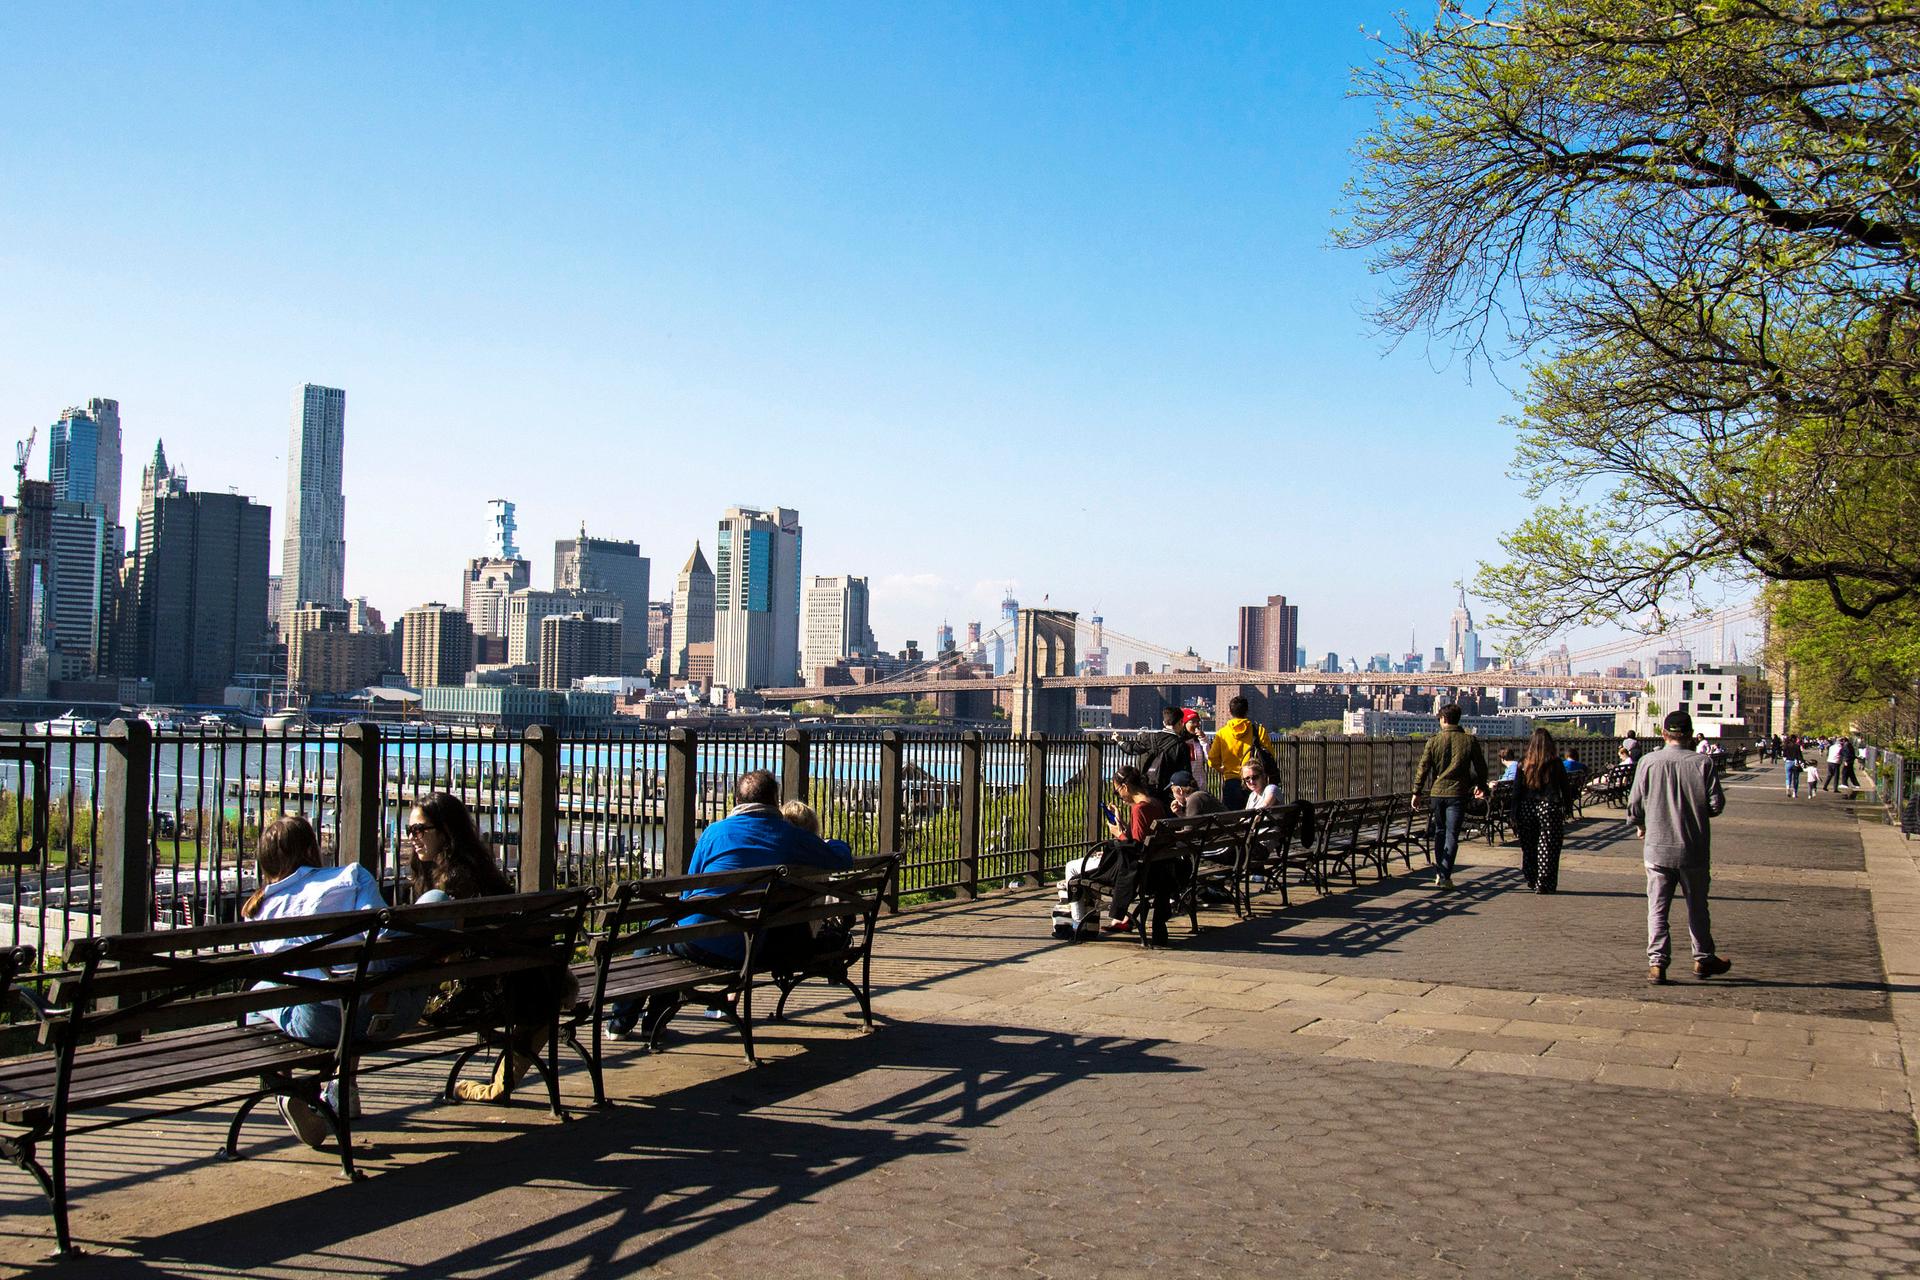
x=1440, y=882
x=331, y=1092
x=1711, y=967
x=306, y=1124
x=1657, y=974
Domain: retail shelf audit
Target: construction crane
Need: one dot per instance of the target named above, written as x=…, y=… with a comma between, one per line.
x=21, y=452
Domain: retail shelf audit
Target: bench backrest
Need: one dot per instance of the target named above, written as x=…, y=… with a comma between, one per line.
x=134, y=983
x=647, y=915
x=808, y=895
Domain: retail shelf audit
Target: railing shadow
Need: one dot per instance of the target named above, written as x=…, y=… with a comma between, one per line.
x=635, y=1187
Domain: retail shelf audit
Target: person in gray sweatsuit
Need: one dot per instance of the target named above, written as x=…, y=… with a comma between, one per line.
x=1676, y=794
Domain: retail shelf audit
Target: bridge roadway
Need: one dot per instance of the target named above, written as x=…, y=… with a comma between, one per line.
x=1210, y=679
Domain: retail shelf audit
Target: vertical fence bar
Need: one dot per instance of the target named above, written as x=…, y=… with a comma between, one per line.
x=357, y=787
x=888, y=836
x=972, y=748
x=1096, y=830
x=1036, y=806
x=539, y=808
x=794, y=759
x=682, y=782
x=126, y=868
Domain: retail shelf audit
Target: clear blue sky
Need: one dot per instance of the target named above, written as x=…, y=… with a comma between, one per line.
x=1028, y=294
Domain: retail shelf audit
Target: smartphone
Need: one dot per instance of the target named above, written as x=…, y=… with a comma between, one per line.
x=1111, y=815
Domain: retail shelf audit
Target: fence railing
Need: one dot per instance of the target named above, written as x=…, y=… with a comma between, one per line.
x=125, y=828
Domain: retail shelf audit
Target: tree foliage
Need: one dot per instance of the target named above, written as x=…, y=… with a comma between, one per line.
x=1697, y=223
x=1847, y=673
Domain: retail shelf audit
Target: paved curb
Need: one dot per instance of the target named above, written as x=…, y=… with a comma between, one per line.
x=1893, y=878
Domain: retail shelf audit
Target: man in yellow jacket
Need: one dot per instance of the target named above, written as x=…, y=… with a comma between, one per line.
x=1231, y=747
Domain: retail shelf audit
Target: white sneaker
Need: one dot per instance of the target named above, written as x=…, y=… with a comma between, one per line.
x=306, y=1124
x=1440, y=882
x=331, y=1092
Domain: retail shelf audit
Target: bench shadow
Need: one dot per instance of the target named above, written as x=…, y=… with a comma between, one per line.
x=633, y=1187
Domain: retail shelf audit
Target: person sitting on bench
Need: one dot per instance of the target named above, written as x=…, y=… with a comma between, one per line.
x=1116, y=863
x=755, y=834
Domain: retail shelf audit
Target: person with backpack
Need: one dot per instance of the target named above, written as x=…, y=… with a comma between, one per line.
x=1164, y=753
x=1237, y=741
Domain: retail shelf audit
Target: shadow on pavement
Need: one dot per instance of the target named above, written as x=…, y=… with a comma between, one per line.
x=635, y=1186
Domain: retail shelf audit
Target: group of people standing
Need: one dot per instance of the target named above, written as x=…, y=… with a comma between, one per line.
x=1809, y=759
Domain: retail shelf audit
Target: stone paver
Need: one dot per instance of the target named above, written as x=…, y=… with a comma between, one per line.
x=1385, y=1082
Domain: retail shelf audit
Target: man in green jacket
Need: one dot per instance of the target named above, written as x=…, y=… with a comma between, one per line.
x=1452, y=765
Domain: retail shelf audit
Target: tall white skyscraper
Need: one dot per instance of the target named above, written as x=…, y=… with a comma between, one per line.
x=313, y=554
x=692, y=611
x=756, y=598
x=833, y=621
x=1463, y=642
x=501, y=528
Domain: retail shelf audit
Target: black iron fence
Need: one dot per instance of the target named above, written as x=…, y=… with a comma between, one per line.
x=125, y=828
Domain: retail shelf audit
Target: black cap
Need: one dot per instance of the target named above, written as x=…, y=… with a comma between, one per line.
x=1678, y=723
x=1181, y=779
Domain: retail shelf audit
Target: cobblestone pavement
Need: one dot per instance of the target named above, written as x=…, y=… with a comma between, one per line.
x=1467, y=1095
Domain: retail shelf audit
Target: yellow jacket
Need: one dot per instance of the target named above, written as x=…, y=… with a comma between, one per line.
x=1228, y=754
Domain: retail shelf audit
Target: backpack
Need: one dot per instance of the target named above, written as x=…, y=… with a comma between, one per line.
x=1256, y=750
x=1163, y=761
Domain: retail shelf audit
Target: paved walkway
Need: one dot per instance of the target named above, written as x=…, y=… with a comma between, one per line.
x=1477, y=1083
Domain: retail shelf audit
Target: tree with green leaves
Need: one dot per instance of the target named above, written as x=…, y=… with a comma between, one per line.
x=1697, y=224
x=1848, y=674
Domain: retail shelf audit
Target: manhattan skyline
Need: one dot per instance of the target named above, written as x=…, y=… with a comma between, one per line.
x=949, y=283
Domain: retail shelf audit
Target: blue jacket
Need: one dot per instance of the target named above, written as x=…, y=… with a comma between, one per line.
x=757, y=836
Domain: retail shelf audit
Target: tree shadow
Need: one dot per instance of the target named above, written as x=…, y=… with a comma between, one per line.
x=635, y=1186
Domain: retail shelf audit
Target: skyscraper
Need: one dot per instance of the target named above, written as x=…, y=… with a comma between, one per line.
x=195, y=606
x=436, y=646
x=84, y=457
x=756, y=598
x=1269, y=635
x=484, y=591
x=617, y=568
x=692, y=611
x=574, y=646
x=525, y=609
x=1463, y=642
x=313, y=555
x=834, y=622
x=1008, y=641
x=501, y=528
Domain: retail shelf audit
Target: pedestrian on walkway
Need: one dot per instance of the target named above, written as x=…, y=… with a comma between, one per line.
x=1675, y=797
x=1542, y=791
x=1790, y=752
x=1238, y=741
x=1848, y=754
x=1452, y=767
x=1836, y=756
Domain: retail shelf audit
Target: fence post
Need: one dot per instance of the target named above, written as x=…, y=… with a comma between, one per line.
x=1036, y=807
x=972, y=748
x=794, y=762
x=892, y=826
x=1096, y=826
x=682, y=781
x=126, y=854
x=360, y=802
x=539, y=808
x=1293, y=756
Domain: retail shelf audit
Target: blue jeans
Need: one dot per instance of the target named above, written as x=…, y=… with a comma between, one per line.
x=318, y=1022
x=1443, y=829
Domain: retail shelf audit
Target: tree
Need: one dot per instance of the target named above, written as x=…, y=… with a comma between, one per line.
x=1847, y=673
x=1697, y=224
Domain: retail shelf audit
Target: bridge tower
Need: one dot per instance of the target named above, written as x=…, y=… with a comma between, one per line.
x=1045, y=648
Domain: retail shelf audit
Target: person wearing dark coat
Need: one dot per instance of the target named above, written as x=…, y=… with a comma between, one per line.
x=1542, y=794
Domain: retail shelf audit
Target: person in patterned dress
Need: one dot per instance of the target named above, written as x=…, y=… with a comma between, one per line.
x=1542, y=793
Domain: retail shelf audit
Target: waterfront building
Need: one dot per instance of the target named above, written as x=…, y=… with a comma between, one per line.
x=575, y=645
x=756, y=598
x=525, y=609
x=486, y=588
x=692, y=614
x=1373, y=723
x=1269, y=636
x=835, y=622
x=617, y=568
x=193, y=611
x=437, y=648
x=313, y=554
x=515, y=707
x=328, y=654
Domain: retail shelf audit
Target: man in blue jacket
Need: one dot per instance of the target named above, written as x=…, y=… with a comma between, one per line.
x=753, y=835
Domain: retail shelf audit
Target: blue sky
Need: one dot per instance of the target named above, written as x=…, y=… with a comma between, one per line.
x=1028, y=294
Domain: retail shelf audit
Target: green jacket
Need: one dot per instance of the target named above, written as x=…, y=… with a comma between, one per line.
x=1452, y=765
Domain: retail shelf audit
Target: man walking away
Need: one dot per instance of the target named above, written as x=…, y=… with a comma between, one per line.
x=1848, y=754
x=1452, y=766
x=1232, y=745
x=1676, y=794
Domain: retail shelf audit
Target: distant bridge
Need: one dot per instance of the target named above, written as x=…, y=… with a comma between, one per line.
x=924, y=687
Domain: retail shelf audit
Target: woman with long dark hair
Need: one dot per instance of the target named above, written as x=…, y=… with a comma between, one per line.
x=1542, y=791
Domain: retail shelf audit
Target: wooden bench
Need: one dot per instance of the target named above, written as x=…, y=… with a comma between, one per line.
x=634, y=950
x=143, y=1016
x=1609, y=786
